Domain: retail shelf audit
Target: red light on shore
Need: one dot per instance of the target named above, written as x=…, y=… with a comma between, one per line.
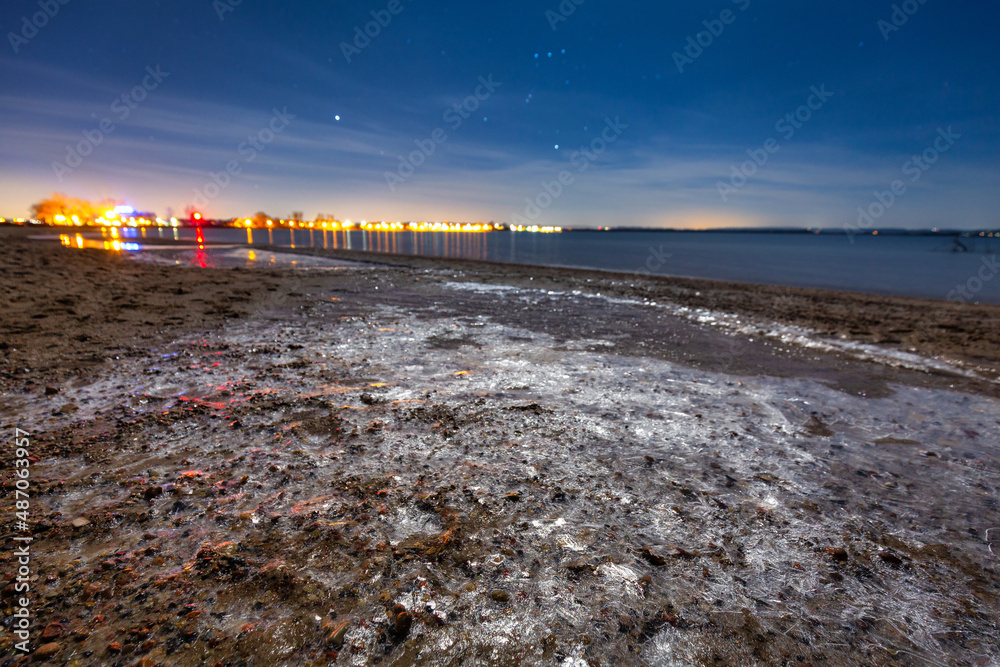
x=197, y=216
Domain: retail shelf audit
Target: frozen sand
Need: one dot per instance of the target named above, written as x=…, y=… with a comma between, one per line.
x=528, y=496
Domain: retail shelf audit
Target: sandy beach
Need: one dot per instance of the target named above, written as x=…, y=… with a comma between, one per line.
x=362, y=460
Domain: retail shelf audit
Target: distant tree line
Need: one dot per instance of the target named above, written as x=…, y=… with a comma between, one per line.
x=60, y=209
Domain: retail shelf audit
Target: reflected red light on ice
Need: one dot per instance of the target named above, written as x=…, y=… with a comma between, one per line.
x=199, y=235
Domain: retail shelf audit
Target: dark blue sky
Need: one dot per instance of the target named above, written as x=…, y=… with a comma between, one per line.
x=677, y=137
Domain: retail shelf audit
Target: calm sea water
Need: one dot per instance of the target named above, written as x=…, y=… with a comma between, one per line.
x=907, y=266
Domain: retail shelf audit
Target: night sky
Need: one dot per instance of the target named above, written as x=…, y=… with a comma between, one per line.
x=604, y=76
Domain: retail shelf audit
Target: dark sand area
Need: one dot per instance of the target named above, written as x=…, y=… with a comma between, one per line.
x=64, y=310
x=419, y=461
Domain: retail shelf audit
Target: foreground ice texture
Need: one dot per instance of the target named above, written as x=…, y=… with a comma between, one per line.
x=534, y=502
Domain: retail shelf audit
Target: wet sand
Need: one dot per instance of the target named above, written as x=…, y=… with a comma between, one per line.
x=444, y=462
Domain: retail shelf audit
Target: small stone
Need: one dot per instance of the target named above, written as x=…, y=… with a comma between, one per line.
x=402, y=625
x=47, y=650
x=51, y=391
x=152, y=492
x=79, y=522
x=839, y=555
x=891, y=559
x=69, y=409
x=512, y=497
x=503, y=597
x=337, y=636
x=653, y=558
x=114, y=647
x=52, y=631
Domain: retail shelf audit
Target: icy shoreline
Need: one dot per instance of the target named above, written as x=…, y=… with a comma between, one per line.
x=520, y=497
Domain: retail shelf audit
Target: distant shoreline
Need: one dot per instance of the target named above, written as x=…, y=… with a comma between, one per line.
x=820, y=231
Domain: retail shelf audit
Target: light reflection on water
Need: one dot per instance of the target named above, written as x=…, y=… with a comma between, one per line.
x=79, y=241
x=234, y=256
x=919, y=266
x=435, y=244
